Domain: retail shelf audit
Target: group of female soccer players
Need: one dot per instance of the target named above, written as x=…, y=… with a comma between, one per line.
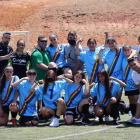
x=20, y=95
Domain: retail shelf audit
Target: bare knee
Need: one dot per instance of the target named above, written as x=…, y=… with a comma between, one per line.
x=34, y=123
x=28, y=123
x=45, y=112
x=113, y=100
x=99, y=111
x=61, y=101
x=3, y=123
x=69, y=121
x=14, y=108
x=84, y=101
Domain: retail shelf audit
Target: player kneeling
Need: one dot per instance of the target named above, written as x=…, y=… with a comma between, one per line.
x=27, y=99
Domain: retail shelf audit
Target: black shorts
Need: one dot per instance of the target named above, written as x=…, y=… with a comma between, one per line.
x=24, y=119
x=5, y=109
x=132, y=92
x=60, y=71
x=72, y=111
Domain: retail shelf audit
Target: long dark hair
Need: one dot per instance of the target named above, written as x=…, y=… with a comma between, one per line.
x=50, y=36
x=46, y=83
x=81, y=73
x=3, y=79
x=114, y=40
x=106, y=82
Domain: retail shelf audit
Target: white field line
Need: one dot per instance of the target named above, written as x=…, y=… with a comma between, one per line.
x=82, y=133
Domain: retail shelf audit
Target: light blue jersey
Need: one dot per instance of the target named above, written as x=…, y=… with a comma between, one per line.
x=115, y=87
x=89, y=58
x=59, y=58
x=97, y=49
x=127, y=76
x=53, y=93
x=24, y=93
x=73, y=98
x=117, y=68
x=7, y=97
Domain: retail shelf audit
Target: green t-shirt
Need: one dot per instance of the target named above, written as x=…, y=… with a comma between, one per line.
x=40, y=56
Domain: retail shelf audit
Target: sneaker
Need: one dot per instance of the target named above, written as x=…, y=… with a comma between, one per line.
x=55, y=122
x=107, y=119
x=118, y=118
x=96, y=118
x=14, y=122
x=115, y=122
x=133, y=121
x=80, y=117
x=51, y=119
x=85, y=121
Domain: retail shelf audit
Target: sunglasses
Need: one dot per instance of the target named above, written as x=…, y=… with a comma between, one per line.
x=31, y=73
x=43, y=41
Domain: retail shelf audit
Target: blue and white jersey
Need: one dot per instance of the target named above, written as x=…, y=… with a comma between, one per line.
x=76, y=98
x=24, y=93
x=53, y=93
x=117, y=69
x=127, y=76
x=60, y=57
x=100, y=92
x=89, y=58
x=7, y=96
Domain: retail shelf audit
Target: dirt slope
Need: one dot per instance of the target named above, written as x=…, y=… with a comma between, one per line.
x=90, y=18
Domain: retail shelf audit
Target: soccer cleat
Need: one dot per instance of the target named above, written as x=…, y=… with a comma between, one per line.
x=115, y=122
x=80, y=117
x=133, y=121
x=107, y=119
x=14, y=122
x=55, y=122
x=85, y=121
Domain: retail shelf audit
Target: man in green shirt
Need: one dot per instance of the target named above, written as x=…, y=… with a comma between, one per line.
x=40, y=58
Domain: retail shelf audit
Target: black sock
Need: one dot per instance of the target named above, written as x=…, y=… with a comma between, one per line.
x=101, y=119
x=133, y=109
x=115, y=111
x=105, y=113
x=14, y=114
x=57, y=116
x=85, y=109
x=118, y=102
